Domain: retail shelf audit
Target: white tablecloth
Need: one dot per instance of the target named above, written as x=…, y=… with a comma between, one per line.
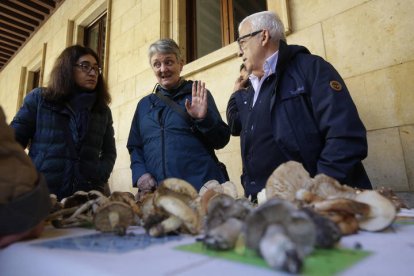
x=393, y=254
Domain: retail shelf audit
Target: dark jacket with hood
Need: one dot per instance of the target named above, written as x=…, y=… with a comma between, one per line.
x=313, y=119
x=69, y=160
x=162, y=143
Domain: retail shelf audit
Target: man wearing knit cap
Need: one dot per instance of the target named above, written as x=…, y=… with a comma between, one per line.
x=24, y=197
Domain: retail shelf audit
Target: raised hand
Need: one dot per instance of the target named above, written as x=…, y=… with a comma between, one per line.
x=197, y=108
x=240, y=83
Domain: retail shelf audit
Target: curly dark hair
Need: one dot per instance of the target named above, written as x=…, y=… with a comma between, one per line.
x=62, y=82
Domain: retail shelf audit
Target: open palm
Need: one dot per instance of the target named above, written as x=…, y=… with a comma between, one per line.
x=197, y=108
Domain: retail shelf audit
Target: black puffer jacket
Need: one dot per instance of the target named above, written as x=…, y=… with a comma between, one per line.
x=67, y=168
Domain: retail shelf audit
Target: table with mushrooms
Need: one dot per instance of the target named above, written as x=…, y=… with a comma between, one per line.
x=294, y=215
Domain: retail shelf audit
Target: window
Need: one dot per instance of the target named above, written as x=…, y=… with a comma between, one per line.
x=94, y=36
x=212, y=24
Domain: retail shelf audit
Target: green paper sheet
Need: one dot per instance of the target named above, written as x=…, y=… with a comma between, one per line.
x=320, y=262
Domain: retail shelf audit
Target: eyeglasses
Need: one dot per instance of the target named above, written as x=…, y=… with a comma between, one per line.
x=241, y=40
x=87, y=68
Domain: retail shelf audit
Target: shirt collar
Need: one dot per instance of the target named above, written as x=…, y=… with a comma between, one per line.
x=269, y=66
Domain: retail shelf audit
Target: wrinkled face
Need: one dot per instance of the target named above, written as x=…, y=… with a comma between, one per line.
x=167, y=69
x=250, y=48
x=86, y=72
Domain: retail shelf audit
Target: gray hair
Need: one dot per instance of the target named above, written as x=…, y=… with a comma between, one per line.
x=266, y=20
x=164, y=46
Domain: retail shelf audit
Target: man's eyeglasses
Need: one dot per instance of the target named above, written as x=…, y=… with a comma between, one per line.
x=241, y=40
x=87, y=68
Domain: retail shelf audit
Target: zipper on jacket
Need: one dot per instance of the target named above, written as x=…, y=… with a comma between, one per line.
x=164, y=171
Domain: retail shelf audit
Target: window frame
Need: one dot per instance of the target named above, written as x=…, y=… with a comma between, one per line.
x=228, y=34
x=102, y=25
x=76, y=28
x=173, y=24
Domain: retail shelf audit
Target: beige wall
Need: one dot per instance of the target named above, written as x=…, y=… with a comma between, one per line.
x=368, y=41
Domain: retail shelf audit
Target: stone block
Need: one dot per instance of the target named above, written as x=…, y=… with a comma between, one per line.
x=384, y=98
x=407, y=141
x=131, y=18
x=123, y=92
x=121, y=180
x=385, y=162
x=126, y=113
x=311, y=38
x=127, y=66
x=306, y=13
x=122, y=158
x=119, y=8
x=370, y=36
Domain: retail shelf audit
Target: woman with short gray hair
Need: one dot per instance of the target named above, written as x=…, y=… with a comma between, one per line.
x=175, y=129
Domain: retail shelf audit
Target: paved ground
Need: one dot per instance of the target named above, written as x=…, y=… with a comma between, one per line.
x=407, y=197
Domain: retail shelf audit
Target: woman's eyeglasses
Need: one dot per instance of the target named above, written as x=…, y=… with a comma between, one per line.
x=87, y=68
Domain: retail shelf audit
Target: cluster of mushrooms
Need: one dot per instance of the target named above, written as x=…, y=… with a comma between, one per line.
x=295, y=213
x=108, y=214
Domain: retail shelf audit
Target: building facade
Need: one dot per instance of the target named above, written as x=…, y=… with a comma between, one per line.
x=368, y=41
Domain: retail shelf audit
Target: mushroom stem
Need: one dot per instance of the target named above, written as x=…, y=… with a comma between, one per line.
x=279, y=251
x=168, y=225
x=224, y=236
x=113, y=218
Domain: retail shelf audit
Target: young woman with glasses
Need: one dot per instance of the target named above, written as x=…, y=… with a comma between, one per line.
x=67, y=126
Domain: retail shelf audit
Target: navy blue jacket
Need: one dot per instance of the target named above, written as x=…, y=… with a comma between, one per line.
x=313, y=118
x=45, y=127
x=162, y=143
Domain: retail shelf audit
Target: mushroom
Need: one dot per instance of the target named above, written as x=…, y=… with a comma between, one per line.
x=381, y=214
x=235, y=190
x=224, y=222
x=175, y=208
x=280, y=233
x=343, y=212
x=179, y=214
x=351, y=209
x=261, y=197
x=127, y=198
x=292, y=182
x=327, y=232
x=368, y=210
x=56, y=205
x=286, y=179
x=78, y=209
x=326, y=187
x=78, y=198
x=113, y=216
x=225, y=235
x=178, y=188
x=389, y=194
x=211, y=185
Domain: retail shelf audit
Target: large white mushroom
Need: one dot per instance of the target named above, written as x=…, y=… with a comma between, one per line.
x=282, y=234
x=175, y=209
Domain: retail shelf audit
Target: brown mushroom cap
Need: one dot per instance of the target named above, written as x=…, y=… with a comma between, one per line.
x=233, y=189
x=286, y=180
x=326, y=187
x=211, y=185
x=113, y=217
x=177, y=186
x=127, y=198
x=176, y=207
